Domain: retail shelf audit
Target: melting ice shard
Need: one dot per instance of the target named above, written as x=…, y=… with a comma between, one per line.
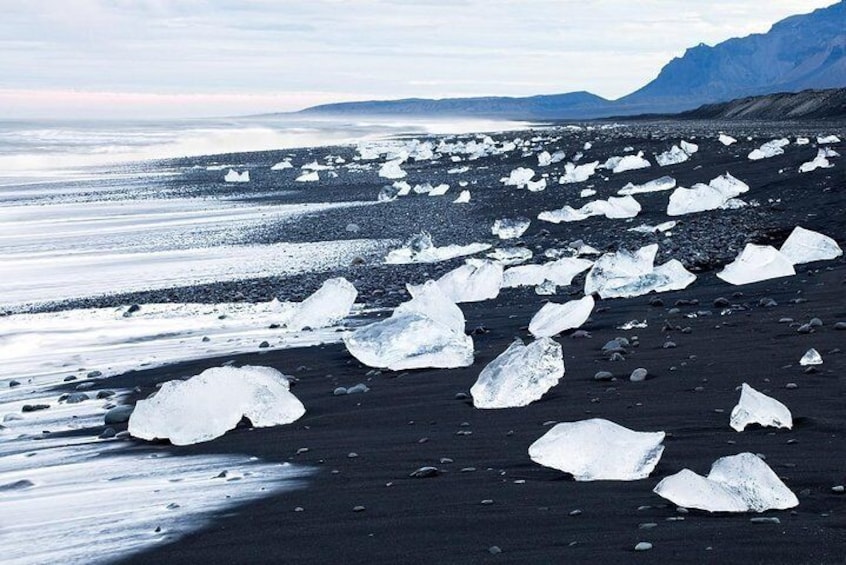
x=561, y=272
x=625, y=274
x=281, y=166
x=475, y=281
x=739, y=483
x=704, y=197
x=580, y=173
x=520, y=375
x=420, y=249
x=510, y=228
x=657, y=185
x=519, y=177
x=819, y=162
x=769, y=149
x=674, y=156
x=310, y=176
x=597, y=450
x=613, y=208
x=463, y=197
x=631, y=163
x=806, y=246
x=427, y=331
x=553, y=318
x=727, y=139
x=757, y=408
x=235, y=176
x=392, y=170
x=757, y=263
x=208, y=405
x=330, y=304
x=811, y=357
x=510, y=255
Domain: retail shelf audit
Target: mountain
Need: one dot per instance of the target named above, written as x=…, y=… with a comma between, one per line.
x=809, y=104
x=801, y=52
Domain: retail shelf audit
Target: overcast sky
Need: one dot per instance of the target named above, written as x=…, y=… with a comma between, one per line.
x=158, y=58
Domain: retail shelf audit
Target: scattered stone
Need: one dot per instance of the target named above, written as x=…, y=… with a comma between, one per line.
x=34, y=407
x=669, y=345
x=118, y=415
x=487, y=502
x=840, y=326
x=616, y=357
x=580, y=334
x=425, y=473
x=643, y=546
x=76, y=398
x=494, y=550
x=575, y=512
x=839, y=489
x=340, y=391
x=815, y=323
x=603, y=376
x=104, y=394
x=13, y=383
x=358, y=389
x=765, y=520
x=647, y=525
x=805, y=329
x=657, y=302
x=462, y=396
x=358, y=508
x=94, y=374
x=767, y=302
x=721, y=302
x=638, y=375
x=69, y=379
x=264, y=345
x=108, y=433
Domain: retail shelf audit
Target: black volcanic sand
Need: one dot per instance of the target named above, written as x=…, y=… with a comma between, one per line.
x=412, y=419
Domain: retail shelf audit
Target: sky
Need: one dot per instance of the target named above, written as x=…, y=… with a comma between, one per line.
x=191, y=58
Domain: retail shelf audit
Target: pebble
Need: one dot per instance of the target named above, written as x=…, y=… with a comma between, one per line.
x=765, y=520
x=643, y=546
x=107, y=433
x=815, y=323
x=805, y=329
x=840, y=326
x=647, y=525
x=638, y=375
x=669, y=345
x=616, y=357
x=425, y=472
x=767, y=302
x=575, y=512
x=358, y=508
x=791, y=386
x=76, y=398
x=839, y=489
x=13, y=383
x=721, y=302
x=352, y=455
x=340, y=391
x=494, y=550
x=603, y=376
x=118, y=414
x=487, y=502
x=358, y=389
x=462, y=396
x=34, y=407
x=264, y=345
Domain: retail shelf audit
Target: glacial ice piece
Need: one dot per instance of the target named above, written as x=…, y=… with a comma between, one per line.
x=402, y=188
x=826, y=139
x=769, y=149
x=544, y=159
x=475, y=281
x=387, y=193
x=613, y=208
x=439, y=190
x=510, y=228
x=631, y=163
x=757, y=263
x=208, y=405
x=598, y=450
x=727, y=139
x=802, y=141
x=819, y=162
x=561, y=272
x=463, y=197
x=330, y=304
x=510, y=255
x=672, y=157
x=657, y=185
x=311, y=176
x=811, y=357
x=739, y=483
x=520, y=375
x=519, y=177
x=427, y=331
x=281, y=166
x=392, y=170
x=757, y=408
x=688, y=147
x=536, y=186
x=587, y=193
x=806, y=246
x=552, y=319
x=704, y=197
x=577, y=173
x=420, y=249
x=662, y=227
x=235, y=176
x=625, y=274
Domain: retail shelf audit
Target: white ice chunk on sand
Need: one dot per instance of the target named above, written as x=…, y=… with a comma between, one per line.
x=235, y=176
x=519, y=177
x=597, y=450
x=420, y=249
x=811, y=357
x=702, y=197
x=475, y=281
x=578, y=173
x=819, y=162
x=757, y=408
x=560, y=272
x=510, y=228
x=739, y=483
x=510, y=255
x=402, y=188
x=210, y=404
x=631, y=163
x=657, y=185
x=520, y=375
x=463, y=197
x=311, y=176
x=757, y=263
x=439, y=190
x=806, y=246
x=769, y=149
x=552, y=318
x=392, y=170
x=674, y=156
x=826, y=139
x=544, y=159
x=536, y=186
x=613, y=208
x=688, y=147
x=625, y=274
x=281, y=166
x=727, y=139
x=646, y=228
x=427, y=331
x=330, y=304
x=802, y=141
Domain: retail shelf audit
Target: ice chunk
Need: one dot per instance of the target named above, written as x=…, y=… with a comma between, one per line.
x=657, y=185
x=625, y=274
x=597, y=450
x=402, y=188
x=439, y=190
x=613, y=208
x=631, y=163
x=757, y=408
x=330, y=304
x=475, y=281
x=510, y=255
x=561, y=272
x=520, y=375
x=311, y=176
x=420, y=249
x=510, y=228
x=544, y=159
x=757, y=263
x=235, y=176
x=672, y=157
x=552, y=319
x=580, y=173
x=819, y=162
x=739, y=483
x=427, y=331
x=392, y=170
x=519, y=177
x=727, y=139
x=704, y=197
x=802, y=141
x=823, y=140
x=315, y=166
x=806, y=246
x=769, y=149
x=536, y=186
x=281, y=166
x=208, y=405
x=688, y=147
x=463, y=197
x=587, y=193
x=662, y=227
x=811, y=357
x=388, y=193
